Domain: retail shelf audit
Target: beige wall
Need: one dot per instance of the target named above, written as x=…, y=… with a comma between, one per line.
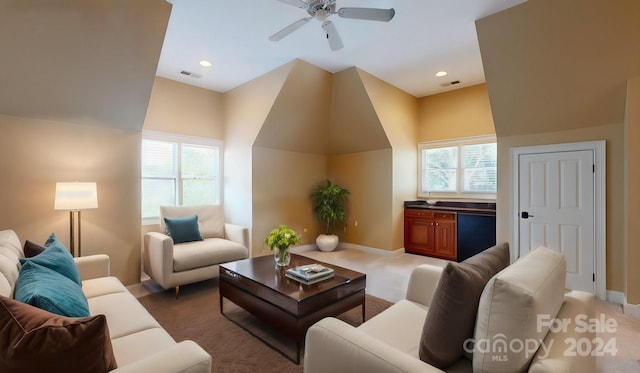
x=354, y=125
x=183, y=109
x=245, y=109
x=35, y=154
x=368, y=177
x=631, y=195
x=559, y=65
x=299, y=117
x=398, y=115
x=288, y=155
x=464, y=112
x=282, y=182
x=77, y=61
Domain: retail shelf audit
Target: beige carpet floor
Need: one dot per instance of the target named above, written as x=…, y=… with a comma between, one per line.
x=196, y=316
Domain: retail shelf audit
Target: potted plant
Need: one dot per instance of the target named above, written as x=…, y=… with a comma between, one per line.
x=329, y=206
x=279, y=241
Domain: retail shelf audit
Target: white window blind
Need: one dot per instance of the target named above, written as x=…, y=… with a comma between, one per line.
x=463, y=168
x=440, y=169
x=159, y=176
x=178, y=170
x=479, y=165
x=199, y=174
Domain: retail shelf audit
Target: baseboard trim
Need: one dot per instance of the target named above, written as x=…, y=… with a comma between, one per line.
x=371, y=250
x=631, y=309
x=303, y=248
x=345, y=245
x=617, y=297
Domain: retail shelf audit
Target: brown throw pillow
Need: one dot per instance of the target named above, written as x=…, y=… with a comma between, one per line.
x=32, y=249
x=34, y=340
x=452, y=313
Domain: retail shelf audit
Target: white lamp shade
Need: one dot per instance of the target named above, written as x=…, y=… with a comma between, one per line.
x=76, y=196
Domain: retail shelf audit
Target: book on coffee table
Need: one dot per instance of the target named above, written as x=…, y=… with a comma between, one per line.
x=310, y=273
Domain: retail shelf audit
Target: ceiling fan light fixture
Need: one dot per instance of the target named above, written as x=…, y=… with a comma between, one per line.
x=321, y=10
x=205, y=63
x=321, y=15
x=440, y=74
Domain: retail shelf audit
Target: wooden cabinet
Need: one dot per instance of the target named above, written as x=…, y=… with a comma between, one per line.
x=419, y=232
x=431, y=233
x=445, y=235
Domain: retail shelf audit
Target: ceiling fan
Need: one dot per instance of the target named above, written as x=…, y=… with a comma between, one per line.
x=323, y=9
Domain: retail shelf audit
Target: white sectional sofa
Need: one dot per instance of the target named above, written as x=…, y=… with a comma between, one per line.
x=139, y=343
x=508, y=312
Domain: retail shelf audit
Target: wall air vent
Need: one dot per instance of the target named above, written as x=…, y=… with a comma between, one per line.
x=450, y=83
x=189, y=73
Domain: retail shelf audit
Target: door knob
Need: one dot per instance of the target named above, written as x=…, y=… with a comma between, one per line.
x=525, y=215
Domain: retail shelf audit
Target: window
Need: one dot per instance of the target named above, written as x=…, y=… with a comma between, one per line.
x=178, y=170
x=463, y=168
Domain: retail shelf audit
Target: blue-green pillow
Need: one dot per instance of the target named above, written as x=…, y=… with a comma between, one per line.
x=47, y=289
x=184, y=229
x=57, y=258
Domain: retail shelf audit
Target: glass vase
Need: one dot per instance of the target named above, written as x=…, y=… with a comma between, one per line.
x=282, y=256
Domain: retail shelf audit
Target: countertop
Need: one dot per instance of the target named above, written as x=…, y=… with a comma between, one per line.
x=485, y=208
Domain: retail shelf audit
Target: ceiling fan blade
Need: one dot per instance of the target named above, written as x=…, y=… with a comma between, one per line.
x=289, y=29
x=332, y=35
x=296, y=3
x=372, y=14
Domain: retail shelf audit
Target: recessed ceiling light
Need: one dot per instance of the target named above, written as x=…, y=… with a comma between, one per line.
x=440, y=74
x=205, y=63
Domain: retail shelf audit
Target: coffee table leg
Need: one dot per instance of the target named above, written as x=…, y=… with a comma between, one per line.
x=298, y=352
x=363, y=312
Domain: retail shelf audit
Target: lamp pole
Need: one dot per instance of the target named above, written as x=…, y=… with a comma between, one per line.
x=75, y=196
x=71, y=235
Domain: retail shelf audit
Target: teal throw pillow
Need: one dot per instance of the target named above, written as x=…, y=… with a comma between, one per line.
x=184, y=229
x=47, y=289
x=57, y=258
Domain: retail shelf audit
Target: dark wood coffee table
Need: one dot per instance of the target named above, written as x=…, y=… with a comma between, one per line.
x=263, y=290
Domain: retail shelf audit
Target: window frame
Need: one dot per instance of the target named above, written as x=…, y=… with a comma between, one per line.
x=459, y=143
x=179, y=140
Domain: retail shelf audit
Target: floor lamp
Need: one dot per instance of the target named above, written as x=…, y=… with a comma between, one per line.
x=75, y=197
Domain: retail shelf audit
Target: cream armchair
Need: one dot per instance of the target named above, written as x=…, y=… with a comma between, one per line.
x=172, y=265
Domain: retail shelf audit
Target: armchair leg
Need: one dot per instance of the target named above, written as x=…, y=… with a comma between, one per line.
x=177, y=291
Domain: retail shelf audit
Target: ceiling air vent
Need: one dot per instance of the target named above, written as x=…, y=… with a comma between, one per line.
x=189, y=73
x=450, y=83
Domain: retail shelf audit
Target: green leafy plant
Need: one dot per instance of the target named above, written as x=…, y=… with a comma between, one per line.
x=282, y=237
x=329, y=204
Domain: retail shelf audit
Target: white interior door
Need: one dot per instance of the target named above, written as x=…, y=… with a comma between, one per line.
x=556, y=210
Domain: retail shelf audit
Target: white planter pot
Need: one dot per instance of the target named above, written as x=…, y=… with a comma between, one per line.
x=327, y=242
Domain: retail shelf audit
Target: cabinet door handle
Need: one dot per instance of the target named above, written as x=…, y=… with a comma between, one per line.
x=437, y=224
x=431, y=223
